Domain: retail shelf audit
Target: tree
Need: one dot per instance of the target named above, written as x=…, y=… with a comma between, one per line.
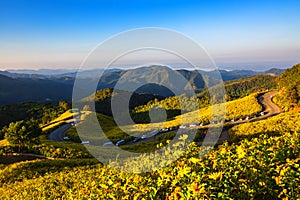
x=23, y=133
x=64, y=105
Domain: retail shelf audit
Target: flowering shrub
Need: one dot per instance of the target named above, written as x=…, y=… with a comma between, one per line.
x=284, y=122
x=260, y=168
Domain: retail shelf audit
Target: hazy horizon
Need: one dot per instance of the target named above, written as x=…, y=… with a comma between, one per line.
x=176, y=67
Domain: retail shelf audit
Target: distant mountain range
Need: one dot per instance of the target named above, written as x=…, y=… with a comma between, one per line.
x=43, y=73
x=52, y=73
x=27, y=85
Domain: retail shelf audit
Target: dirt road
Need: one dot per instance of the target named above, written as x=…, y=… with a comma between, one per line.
x=269, y=109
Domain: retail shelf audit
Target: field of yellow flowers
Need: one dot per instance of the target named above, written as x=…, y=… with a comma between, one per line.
x=263, y=167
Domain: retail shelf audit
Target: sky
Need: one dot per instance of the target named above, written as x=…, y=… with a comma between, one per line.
x=36, y=34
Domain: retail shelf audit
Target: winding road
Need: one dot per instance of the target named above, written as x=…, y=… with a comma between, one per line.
x=59, y=133
x=269, y=109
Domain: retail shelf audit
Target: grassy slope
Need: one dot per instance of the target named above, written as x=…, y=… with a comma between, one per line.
x=263, y=167
x=240, y=108
x=107, y=124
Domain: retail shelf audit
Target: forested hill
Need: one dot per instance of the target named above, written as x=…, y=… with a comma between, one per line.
x=40, y=112
x=245, y=86
x=289, y=83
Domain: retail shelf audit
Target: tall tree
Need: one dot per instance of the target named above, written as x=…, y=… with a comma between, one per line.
x=22, y=133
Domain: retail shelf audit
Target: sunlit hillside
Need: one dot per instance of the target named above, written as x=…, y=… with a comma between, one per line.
x=236, y=109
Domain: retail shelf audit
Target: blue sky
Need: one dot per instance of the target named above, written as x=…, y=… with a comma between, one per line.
x=237, y=34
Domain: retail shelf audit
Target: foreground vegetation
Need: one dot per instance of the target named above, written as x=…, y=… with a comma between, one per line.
x=264, y=167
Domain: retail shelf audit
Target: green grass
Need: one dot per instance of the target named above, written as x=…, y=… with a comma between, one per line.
x=59, y=120
x=90, y=131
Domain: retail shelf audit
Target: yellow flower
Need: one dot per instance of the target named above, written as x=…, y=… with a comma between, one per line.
x=194, y=160
x=216, y=175
x=240, y=152
x=183, y=137
x=223, y=151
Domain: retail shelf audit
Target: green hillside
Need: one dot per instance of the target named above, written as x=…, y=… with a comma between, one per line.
x=239, y=108
x=289, y=84
x=242, y=87
x=108, y=125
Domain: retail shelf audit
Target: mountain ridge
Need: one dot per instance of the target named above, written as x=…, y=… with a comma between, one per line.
x=17, y=87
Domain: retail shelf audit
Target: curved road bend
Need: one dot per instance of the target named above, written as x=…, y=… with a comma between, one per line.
x=269, y=109
x=59, y=133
